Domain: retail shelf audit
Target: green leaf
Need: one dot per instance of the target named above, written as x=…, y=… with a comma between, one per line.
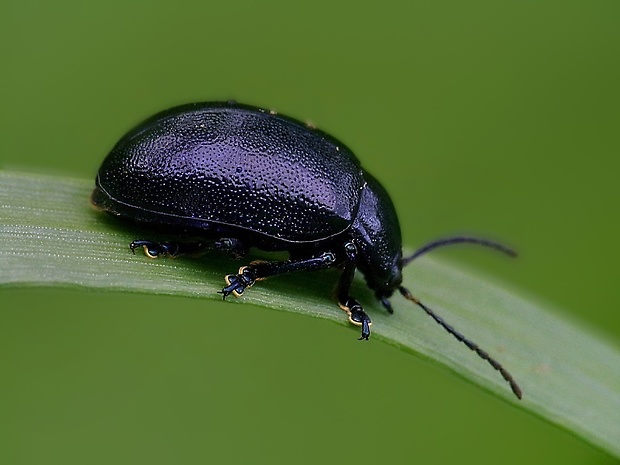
x=49, y=235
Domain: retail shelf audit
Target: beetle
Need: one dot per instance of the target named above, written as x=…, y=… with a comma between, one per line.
x=238, y=176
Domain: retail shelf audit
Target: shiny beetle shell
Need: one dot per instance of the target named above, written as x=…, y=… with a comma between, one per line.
x=213, y=165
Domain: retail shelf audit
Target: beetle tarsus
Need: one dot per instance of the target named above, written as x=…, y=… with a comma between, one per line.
x=365, y=330
x=357, y=316
x=237, y=283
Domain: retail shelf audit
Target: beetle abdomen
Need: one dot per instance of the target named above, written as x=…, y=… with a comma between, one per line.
x=234, y=165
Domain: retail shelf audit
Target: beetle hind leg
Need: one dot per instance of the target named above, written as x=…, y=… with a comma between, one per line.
x=154, y=249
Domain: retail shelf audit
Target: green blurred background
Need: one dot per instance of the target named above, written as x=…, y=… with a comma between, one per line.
x=498, y=118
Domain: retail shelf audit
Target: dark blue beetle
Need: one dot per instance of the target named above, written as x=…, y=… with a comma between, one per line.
x=238, y=176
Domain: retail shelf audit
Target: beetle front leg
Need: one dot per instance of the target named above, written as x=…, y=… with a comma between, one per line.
x=356, y=313
x=357, y=316
x=255, y=271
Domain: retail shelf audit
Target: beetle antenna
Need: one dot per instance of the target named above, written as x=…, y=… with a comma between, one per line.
x=473, y=346
x=459, y=240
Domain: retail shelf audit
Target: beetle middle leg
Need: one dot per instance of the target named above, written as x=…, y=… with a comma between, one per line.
x=154, y=249
x=257, y=270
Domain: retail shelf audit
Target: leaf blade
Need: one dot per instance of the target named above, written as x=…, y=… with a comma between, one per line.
x=50, y=236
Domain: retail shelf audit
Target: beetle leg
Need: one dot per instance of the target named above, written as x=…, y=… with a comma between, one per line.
x=233, y=246
x=356, y=313
x=154, y=249
x=357, y=316
x=257, y=270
